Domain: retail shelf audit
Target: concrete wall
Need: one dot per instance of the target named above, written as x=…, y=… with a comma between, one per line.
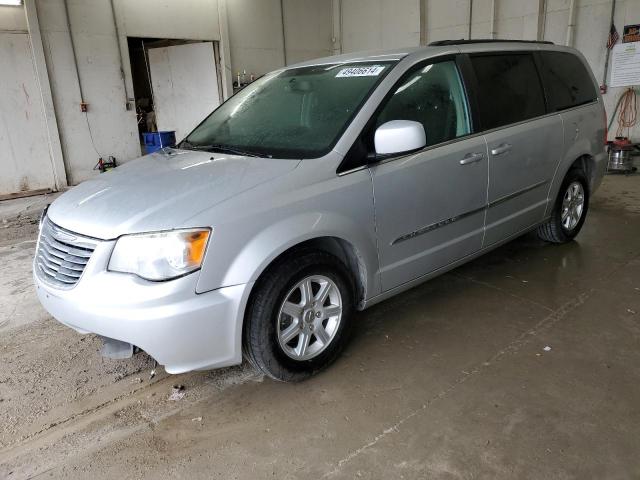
x=27, y=159
x=256, y=33
x=12, y=19
x=25, y=163
x=308, y=26
x=109, y=127
x=379, y=24
x=103, y=77
x=190, y=19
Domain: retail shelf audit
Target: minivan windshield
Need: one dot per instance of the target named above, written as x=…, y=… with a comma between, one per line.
x=296, y=113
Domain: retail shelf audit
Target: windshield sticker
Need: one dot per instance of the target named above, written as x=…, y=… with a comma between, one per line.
x=371, y=71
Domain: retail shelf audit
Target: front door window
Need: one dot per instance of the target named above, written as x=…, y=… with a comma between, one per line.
x=432, y=95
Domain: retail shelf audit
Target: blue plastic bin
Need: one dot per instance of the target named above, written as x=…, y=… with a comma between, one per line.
x=156, y=140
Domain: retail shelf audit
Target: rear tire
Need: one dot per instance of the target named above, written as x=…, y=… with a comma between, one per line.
x=289, y=334
x=569, y=211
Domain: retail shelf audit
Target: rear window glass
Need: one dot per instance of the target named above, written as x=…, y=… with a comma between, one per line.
x=509, y=89
x=566, y=81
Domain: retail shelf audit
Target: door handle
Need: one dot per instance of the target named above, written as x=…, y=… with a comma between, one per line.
x=471, y=158
x=500, y=149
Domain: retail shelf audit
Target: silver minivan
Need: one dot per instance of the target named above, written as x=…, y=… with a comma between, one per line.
x=321, y=189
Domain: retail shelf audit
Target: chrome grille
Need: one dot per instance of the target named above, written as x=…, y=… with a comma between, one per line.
x=62, y=255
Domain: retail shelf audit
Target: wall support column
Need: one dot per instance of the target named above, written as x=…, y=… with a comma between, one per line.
x=46, y=97
x=336, y=36
x=542, y=19
x=225, y=52
x=571, y=26
x=492, y=22
x=284, y=33
x=470, y=19
x=423, y=23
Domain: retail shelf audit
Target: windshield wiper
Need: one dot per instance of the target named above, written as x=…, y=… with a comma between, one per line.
x=217, y=147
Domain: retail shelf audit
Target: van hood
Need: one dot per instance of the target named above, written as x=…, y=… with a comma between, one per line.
x=160, y=191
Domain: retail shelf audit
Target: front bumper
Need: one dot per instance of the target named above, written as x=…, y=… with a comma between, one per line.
x=182, y=330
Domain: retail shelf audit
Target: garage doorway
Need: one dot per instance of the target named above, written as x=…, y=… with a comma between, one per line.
x=176, y=83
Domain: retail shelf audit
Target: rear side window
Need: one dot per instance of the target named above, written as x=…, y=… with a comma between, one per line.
x=509, y=89
x=566, y=81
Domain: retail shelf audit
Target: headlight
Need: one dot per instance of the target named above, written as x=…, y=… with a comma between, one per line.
x=161, y=255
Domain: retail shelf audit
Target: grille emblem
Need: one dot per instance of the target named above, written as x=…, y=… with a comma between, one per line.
x=63, y=236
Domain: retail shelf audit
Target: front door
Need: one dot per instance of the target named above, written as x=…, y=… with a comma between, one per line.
x=430, y=205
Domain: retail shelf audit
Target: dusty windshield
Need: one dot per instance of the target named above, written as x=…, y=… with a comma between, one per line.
x=297, y=113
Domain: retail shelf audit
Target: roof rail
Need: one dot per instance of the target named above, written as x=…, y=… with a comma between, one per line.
x=444, y=43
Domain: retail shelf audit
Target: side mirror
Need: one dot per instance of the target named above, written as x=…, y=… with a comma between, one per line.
x=399, y=136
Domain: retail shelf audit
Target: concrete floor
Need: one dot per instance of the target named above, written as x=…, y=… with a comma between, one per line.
x=451, y=380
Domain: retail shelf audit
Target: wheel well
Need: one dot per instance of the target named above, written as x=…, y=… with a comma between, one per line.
x=587, y=164
x=339, y=248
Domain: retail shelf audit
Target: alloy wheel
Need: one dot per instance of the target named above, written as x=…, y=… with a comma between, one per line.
x=572, y=206
x=309, y=317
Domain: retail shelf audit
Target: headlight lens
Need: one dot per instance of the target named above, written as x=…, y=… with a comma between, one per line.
x=161, y=255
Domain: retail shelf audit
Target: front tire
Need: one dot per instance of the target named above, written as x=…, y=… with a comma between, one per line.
x=569, y=211
x=299, y=316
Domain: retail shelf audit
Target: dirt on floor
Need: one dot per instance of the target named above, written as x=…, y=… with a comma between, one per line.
x=521, y=364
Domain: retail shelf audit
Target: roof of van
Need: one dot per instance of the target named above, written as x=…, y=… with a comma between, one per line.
x=439, y=47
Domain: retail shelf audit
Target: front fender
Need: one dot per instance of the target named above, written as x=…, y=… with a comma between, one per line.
x=267, y=245
x=255, y=230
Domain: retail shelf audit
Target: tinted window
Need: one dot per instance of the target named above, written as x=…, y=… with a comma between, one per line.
x=432, y=95
x=566, y=81
x=509, y=89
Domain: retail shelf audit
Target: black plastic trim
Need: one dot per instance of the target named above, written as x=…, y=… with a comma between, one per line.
x=443, y=223
x=446, y=43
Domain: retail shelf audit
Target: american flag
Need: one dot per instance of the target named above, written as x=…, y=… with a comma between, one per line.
x=613, y=37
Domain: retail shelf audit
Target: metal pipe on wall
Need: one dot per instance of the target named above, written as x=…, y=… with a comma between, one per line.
x=470, y=17
x=284, y=35
x=492, y=27
x=571, y=26
x=127, y=105
x=73, y=50
x=603, y=87
x=423, y=22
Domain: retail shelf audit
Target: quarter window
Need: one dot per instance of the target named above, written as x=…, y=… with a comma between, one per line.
x=566, y=81
x=509, y=89
x=432, y=95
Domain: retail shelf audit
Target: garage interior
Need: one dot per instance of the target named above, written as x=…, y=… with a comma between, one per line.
x=524, y=363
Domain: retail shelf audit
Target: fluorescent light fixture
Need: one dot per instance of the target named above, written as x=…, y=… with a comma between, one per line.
x=11, y=2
